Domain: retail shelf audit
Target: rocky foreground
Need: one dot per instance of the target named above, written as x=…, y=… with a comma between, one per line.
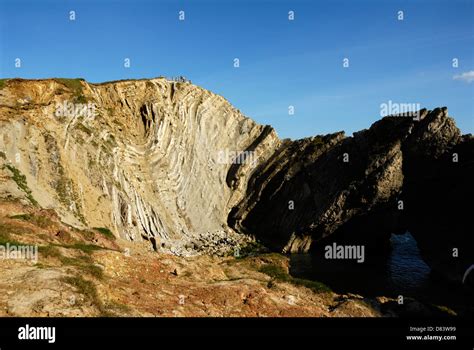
x=92, y=273
x=176, y=182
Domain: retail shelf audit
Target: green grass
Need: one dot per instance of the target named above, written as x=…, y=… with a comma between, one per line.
x=93, y=270
x=75, y=86
x=251, y=249
x=86, y=234
x=63, y=187
x=105, y=232
x=85, y=287
x=80, y=99
x=89, y=290
x=3, y=83
x=50, y=251
x=84, y=263
x=40, y=221
x=3, y=155
x=6, y=231
x=71, y=84
x=86, y=248
x=21, y=182
x=24, y=217
x=66, y=194
x=278, y=273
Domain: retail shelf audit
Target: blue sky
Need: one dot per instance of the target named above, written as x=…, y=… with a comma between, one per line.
x=282, y=62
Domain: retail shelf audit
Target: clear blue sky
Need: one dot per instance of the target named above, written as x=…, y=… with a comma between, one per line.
x=282, y=62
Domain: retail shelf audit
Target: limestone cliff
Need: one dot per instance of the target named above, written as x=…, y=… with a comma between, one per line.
x=147, y=162
x=179, y=167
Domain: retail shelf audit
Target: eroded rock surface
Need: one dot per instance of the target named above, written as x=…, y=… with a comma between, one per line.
x=400, y=175
x=152, y=163
x=148, y=164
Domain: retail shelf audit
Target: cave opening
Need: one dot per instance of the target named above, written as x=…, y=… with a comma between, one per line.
x=400, y=269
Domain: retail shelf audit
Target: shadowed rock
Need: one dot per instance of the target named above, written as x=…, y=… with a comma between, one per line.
x=146, y=165
x=400, y=175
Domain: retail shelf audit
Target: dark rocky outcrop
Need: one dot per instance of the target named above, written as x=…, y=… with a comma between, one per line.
x=400, y=175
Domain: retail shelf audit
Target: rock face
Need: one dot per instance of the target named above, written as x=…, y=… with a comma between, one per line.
x=148, y=163
x=400, y=175
x=439, y=192
x=178, y=166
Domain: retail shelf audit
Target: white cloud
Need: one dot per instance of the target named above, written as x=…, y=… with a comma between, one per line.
x=468, y=77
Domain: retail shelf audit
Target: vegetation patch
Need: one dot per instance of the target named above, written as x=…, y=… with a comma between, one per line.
x=86, y=248
x=88, y=235
x=76, y=87
x=105, y=232
x=40, y=221
x=63, y=185
x=278, y=273
x=6, y=231
x=85, y=263
x=24, y=217
x=251, y=249
x=115, y=307
x=66, y=193
x=89, y=290
x=21, y=182
x=111, y=141
x=3, y=83
x=83, y=128
x=50, y=251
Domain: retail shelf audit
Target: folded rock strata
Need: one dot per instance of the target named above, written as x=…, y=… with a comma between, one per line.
x=152, y=163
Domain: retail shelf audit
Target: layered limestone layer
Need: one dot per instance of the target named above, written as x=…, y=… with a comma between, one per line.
x=149, y=159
